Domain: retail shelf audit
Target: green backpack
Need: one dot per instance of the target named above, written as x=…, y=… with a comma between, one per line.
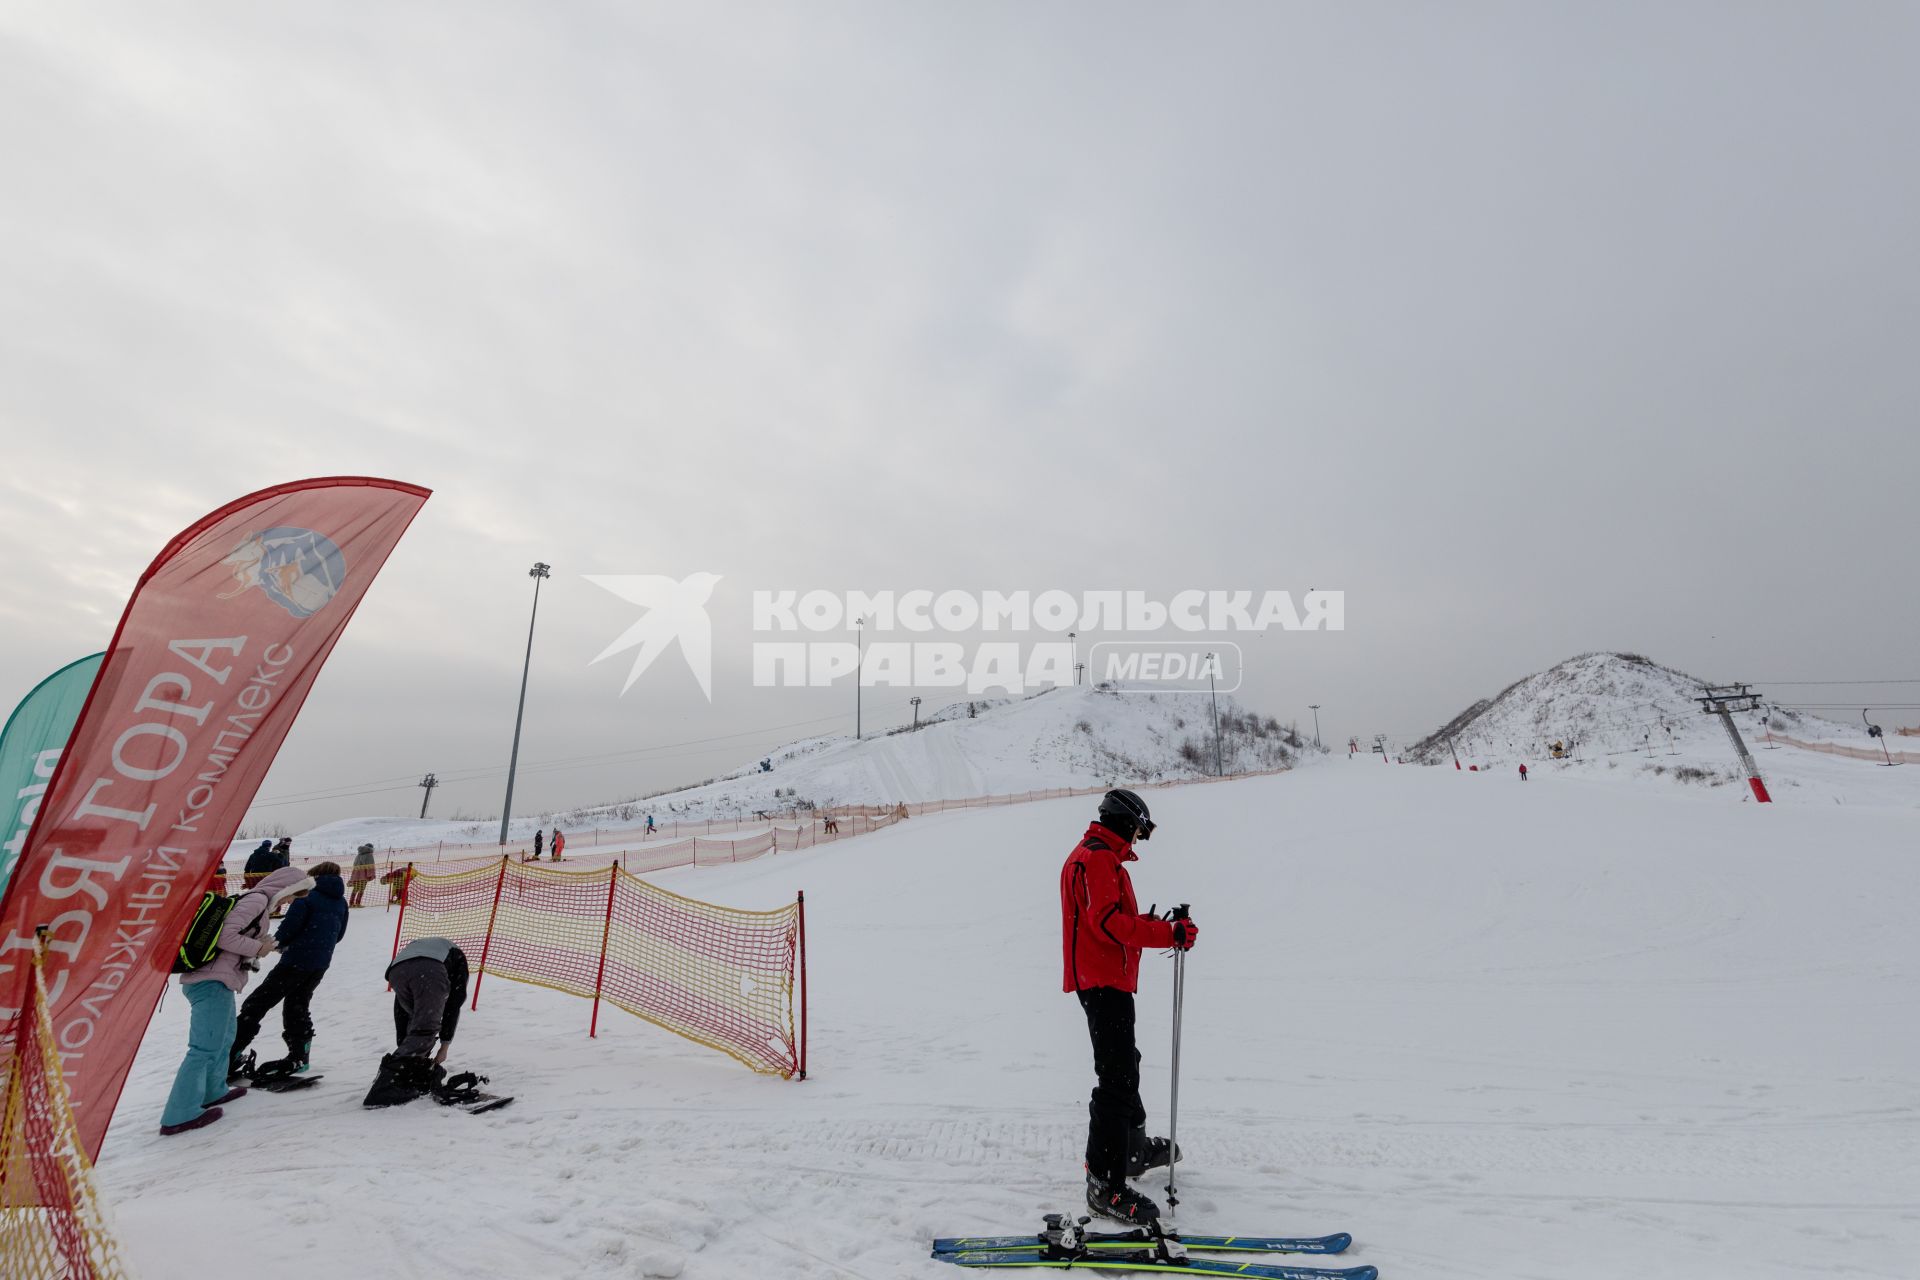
x=202, y=942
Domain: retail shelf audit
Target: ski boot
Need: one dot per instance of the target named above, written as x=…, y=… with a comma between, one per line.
x=401, y=1080
x=1144, y=1153
x=295, y=1063
x=1120, y=1202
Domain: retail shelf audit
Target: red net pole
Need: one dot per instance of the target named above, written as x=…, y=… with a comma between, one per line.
x=487, y=944
x=402, y=919
x=606, y=930
x=801, y=899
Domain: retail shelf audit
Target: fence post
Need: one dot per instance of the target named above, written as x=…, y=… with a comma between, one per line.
x=487, y=944
x=405, y=880
x=801, y=899
x=606, y=929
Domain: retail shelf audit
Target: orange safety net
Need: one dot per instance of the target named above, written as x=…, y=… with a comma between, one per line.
x=717, y=975
x=52, y=1225
x=687, y=844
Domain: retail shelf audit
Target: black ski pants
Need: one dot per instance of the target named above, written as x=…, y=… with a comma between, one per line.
x=421, y=990
x=296, y=988
x=1115, y=1113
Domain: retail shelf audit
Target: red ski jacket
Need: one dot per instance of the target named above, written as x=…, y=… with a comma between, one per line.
x=1101, y=929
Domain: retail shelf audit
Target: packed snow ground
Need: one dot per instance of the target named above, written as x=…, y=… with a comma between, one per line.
x=1577, y=1028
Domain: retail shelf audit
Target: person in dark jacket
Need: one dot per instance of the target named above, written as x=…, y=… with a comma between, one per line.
x=1102, y=935
x=539, y=844
x=259, y=862
x=313, y=926
x=429, y=980
x=283, y=852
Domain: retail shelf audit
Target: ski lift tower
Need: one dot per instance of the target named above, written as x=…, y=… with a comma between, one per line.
x=1723, y=700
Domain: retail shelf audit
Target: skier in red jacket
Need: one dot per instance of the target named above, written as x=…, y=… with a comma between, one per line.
x=1102, y=935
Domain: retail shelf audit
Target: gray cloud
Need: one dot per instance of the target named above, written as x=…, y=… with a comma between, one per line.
x=1536, y=329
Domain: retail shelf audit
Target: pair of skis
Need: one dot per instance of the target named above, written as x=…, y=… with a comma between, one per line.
x=1066, y=1244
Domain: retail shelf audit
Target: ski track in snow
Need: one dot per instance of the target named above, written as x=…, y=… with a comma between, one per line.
x=1586, y=1029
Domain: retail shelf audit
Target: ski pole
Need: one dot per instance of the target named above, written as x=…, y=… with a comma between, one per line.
x=1178, y=914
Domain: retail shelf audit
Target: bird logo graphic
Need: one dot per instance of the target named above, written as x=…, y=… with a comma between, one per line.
x=675, y=610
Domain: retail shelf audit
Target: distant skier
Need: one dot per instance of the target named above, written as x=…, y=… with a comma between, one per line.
x=650, y=826
x=539, y=843
x=1523, y=773
x=429, y=979
x=1102, y=935
x=363, y=874
x=559, y=843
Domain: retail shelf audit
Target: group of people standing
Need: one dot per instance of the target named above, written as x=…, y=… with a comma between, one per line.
x=429, y=980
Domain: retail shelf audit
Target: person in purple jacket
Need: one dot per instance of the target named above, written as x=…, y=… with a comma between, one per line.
x=200, y=1086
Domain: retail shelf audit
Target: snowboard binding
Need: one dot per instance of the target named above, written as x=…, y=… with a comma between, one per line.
x=461, y=1089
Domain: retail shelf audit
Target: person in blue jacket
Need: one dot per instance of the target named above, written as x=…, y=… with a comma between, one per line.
x=313, y=926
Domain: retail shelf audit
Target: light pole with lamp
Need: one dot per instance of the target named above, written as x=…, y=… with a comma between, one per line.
x=859, y=660
x=538, y=572
x=1219, y=769
x=1315, y=708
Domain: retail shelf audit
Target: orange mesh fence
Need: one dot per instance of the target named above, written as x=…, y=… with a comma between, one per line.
x=717, y=975
x=1853, y=753
x=52, y=1224
x=799, y=829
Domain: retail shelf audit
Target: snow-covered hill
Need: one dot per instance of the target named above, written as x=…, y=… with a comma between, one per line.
x=1581, y=1029
x=1071, y=737
x=1615, y=710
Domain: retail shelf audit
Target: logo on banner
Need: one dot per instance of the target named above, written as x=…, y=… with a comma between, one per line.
x=299, y=570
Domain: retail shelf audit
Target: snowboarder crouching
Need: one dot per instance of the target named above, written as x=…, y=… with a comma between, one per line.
x=1102, y=935
x=429, y=979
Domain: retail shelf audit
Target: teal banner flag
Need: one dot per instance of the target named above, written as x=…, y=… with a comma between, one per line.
x=30, y=746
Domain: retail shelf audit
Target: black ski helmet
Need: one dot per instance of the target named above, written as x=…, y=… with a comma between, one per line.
x=1125, y=814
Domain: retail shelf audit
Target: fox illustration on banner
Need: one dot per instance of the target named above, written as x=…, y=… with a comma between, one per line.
x=222, y=640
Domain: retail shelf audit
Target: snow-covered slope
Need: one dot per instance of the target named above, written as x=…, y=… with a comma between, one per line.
x=1577, y=1029
x=1615, y=710
x=1072, y=737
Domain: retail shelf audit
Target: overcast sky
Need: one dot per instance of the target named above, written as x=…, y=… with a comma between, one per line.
x=1534, y=328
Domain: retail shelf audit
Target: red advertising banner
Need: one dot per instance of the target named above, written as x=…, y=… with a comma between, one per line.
x=223, y=637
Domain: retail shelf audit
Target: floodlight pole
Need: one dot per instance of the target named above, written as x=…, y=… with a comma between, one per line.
x=859, y=660
x=915, y=700
x=429, y=782
x=537, y=573
x=1315, y=708
x=1219, y=770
